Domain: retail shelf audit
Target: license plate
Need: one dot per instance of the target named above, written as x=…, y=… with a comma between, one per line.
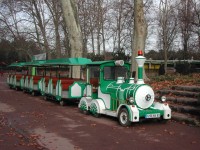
x=152, y=115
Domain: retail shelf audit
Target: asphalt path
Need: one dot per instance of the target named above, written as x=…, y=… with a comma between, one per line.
x=28, y=122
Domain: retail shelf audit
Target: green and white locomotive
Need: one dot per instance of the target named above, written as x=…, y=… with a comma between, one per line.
x=111, y=91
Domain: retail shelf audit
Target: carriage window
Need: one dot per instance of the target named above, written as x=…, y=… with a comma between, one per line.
x=111, y=73
x=94, y=72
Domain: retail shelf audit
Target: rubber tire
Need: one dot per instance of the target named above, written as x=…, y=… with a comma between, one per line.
x=164, y=121
x=62, y=103
x=85, y=112
x=33, y=93
x=97, y=115
x=45, y=98
x=124, y=118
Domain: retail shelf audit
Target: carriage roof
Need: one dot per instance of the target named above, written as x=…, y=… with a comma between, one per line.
x=35, y=63
x=68, y=61
x=17, y=64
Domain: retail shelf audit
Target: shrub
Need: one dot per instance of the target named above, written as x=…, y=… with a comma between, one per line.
x=183, y=68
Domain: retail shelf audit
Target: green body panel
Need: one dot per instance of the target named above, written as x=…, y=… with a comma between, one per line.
x=94, y=95
x=129, y=111
x=58, y=91
x=39, y=85
x=120, y=93
x=22, y=82
x=105, y=83
x=33, y=71
x=140, y=72
x=30, y=87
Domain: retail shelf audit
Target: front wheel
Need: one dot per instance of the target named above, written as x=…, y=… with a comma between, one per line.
x=83, y=108
x=94, y=110
x=161, y=120
x=124, y=118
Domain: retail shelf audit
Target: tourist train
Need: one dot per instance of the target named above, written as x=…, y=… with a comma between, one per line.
x=102, y=87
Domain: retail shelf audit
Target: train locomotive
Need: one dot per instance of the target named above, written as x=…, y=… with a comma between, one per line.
x=111, y=91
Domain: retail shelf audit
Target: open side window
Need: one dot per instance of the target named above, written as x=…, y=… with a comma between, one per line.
x=112, y=72
x=94, y=74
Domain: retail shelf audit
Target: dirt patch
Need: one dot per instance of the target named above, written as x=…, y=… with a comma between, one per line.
x=53, y=141
x=6, y=108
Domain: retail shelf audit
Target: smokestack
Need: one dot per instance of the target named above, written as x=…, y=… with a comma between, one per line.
x=140, y=59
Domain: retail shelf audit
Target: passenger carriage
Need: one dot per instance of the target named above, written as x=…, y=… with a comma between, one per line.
x=60, y=84
x=33, y=78
x=16, y=75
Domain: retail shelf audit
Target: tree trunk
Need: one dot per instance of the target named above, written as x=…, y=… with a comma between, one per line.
x=92, y=36
x=98, y=27
x=199, y=37
x=140, y=34
x=75, y=38
x=103, y=40
x=56, y=19
x=42, y=28
x=119, y=26
x=66, y=39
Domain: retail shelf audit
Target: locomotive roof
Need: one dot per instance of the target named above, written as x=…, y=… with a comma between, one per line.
x=103, y=62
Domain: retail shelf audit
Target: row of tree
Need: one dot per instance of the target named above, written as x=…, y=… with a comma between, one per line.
x=57, y=27
x=9, y=53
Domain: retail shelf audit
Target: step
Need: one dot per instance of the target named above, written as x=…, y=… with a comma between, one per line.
x=186, y=88
x=184, y=100
x=185, y=109
x=189, y=119
x=179, y=93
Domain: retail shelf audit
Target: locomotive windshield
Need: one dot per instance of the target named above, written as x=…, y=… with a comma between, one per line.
x=94, y=72
x=111, y=73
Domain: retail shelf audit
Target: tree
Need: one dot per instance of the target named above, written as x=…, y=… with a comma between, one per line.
x=121, y=25
x=167, y=26
x=196, y=23
x=39, y=15
x=54, y=8
x=69, y=8
x=185, y=19
x=140, y=33
x=12, y=27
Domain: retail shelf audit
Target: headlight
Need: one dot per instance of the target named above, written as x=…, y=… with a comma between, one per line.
x=163, y=98
x=131, y=99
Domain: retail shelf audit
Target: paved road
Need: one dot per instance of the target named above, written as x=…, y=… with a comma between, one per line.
x=29, y=123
